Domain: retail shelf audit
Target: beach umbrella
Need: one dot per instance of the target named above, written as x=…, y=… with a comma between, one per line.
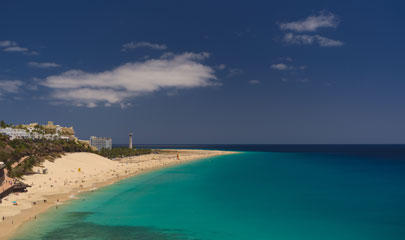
x=14, y=202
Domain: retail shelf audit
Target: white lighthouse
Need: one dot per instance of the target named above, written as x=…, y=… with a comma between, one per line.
x=130, y=140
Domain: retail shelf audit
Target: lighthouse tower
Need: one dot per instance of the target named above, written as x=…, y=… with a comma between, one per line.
x=130, y=140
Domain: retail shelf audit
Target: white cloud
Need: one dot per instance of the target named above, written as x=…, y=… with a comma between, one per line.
x=33, y=53
x=234, y=72
x=130, y=80
x=134, y=45
x=9, y=86
x=15, y=49
x=221, y=66
x=280, y=66
x=283, y=66
x=327, y=42
x=304, y=39
x=312, y=23
x=254, y=82
x=7, y=43
x=43, y=65
x=11, y=46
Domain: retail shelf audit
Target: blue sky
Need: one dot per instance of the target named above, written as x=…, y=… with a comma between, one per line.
x=207, y=71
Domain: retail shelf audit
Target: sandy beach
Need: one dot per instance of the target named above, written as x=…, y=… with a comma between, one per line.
x=78, y=172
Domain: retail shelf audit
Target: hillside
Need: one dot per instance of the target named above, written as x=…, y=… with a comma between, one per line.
x=20, y=155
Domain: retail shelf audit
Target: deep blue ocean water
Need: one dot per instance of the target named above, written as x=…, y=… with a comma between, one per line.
x=265, y=192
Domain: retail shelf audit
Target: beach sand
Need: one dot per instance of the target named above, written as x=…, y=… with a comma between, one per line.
x=64, y=180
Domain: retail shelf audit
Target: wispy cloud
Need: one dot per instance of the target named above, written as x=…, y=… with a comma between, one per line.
x=9, y=86
x=280, y=66
x=43, y=64
x=130, y=80
x=33, y=53
x=12, y=46
x=305, y=39
x=15, y=49
x=312, y=23
x=235, y=72
x=134, y=45
x=254, y=82
x=7, y=43
x=283, y=66
x=221, y=66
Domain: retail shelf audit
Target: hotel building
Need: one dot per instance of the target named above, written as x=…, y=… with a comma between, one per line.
x=101, y=142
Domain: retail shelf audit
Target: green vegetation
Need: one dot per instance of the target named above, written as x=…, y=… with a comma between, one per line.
x=34, y=151
x=21, y=155
x=4, y=125
x=122, y=152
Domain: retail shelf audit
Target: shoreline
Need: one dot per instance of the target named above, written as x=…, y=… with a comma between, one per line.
x=133, y=167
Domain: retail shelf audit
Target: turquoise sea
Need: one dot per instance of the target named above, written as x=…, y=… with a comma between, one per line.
x=251, y=195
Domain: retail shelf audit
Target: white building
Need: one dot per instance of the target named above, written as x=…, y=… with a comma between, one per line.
x=36, y=135
x=49, y=131
x=101, y=142
x=14, y=133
